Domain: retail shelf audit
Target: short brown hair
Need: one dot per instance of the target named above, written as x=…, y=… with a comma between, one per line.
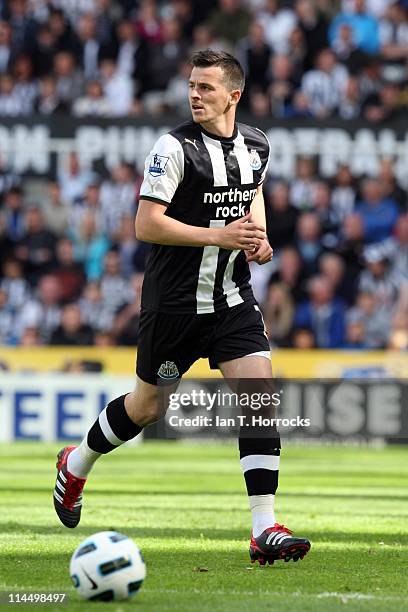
x=233, y=71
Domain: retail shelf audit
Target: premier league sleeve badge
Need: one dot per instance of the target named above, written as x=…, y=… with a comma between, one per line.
x=158, y=165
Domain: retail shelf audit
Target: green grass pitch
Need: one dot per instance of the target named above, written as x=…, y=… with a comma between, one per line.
x=186, y=508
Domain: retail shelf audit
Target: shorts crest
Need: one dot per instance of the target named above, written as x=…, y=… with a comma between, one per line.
x=168, y=370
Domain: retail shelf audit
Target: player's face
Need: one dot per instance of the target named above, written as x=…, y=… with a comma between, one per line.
x=208, y=96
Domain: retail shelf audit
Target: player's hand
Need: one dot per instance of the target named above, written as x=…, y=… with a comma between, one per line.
x=241, y=234
x=261, y=254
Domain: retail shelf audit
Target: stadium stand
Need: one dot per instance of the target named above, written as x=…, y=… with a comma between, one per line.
x=71, y=267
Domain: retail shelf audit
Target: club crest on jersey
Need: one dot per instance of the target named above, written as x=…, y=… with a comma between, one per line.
x=254, y=159
x=168, y=370
x=158, y=165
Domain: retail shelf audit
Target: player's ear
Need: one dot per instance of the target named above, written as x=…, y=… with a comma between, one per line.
x=235, y=96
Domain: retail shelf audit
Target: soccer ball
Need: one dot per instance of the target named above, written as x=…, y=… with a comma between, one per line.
x=107, y=566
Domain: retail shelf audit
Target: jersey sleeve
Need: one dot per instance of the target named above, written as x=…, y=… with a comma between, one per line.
x=265, y=158
x=164, y=170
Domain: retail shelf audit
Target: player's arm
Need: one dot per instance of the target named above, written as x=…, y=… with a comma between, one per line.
x=264, y=252
x=152, y=225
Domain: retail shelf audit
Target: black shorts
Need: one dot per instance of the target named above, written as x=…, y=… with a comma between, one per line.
x=170, y=343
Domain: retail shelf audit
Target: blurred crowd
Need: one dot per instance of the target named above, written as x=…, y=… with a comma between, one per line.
x=113, y=58
x=72, y=269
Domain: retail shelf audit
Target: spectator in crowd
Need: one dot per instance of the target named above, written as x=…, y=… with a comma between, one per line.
x=394, y=34
x=90, y=202
x=72, y=331
x=230, y=21
x=344, y=284
x=175, y=98
x=343, y=195
x=115, y=289
x=48, y=101
x=147, y=24
x=314, y=27
x=204, y=38
x=8, y=178
x=328, y=221
x=90, y=246
x=94, y=311
x=14, y=284
x=69, y=79
x=7, y=319
x=380, y=279
x=60, y=29
x=385, y=105
x=45, y=47
x=12, y=214
x=6, y=50
x=398, y=337
x=278, y=311
x=117, y=88
x=351, y=244
x=323, y=314
x=298, y=52
x=119, y=189
x=308, y=241
x=391, y=188
x=399, y=247
x=6, y=245
x=10, y=104
x=259, y=104
x=43, y=311
x=254, y=54
x=185, y=13
x=281, y=217
x=323, y=86
x=347, y=51
x=55, y=210
x=377, y=8
x=355, y=334
x=374, y=322
x=93, y=103
x=303, y=186
x=282, y=85
x=164, y=62
x=31, y=337
x=70, y=273
x=126, y=325
x=291, y=273
x=132, y=252
x=350, y=102
x=278, y=24
x=303, y=338
x=131, y=56
x=87, y=48
x=73, y=179
x=364, y=26
x=22, y=24
x=36, y=249
x=379, y=214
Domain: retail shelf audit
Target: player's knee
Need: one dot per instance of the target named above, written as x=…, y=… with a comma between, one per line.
x=149, y=414
x=143, y=410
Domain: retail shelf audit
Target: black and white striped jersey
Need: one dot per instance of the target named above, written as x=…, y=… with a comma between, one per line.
x=206, y=181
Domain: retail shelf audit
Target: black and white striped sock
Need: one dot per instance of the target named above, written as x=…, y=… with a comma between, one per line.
x=260, y=464
x=112, y=428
